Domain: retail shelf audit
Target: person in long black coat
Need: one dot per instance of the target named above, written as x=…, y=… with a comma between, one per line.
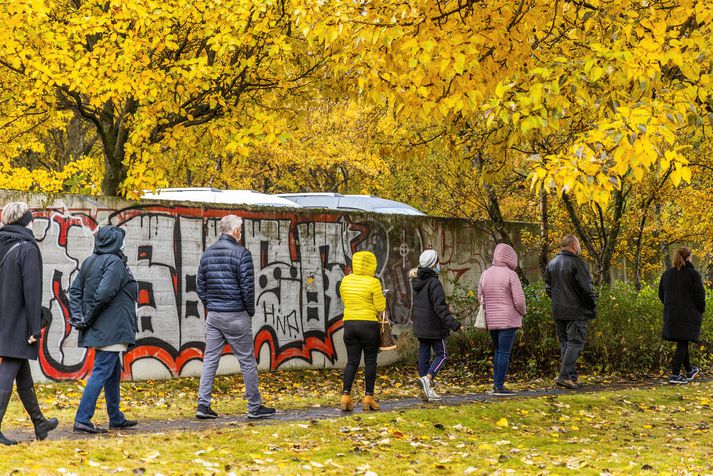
x=20, y=314
x=684, y=298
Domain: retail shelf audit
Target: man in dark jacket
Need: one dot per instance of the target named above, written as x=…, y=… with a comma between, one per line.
x=226, y=287
x=20, y=309
x=569, y=284
x=432, y=321
x=103, y=300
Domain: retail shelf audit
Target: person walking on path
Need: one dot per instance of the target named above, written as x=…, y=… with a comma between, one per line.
x=432, y=321
x=569, y=285
x=102, y=301
x=226, y=287
x=684, y=298
x=363, y=300
x=20, y=315
x=501, y=289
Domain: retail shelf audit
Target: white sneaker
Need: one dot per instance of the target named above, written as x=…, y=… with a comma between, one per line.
x=426, y=389
x=433, y=396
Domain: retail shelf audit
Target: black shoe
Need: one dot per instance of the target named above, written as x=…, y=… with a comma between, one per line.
x=126, y=424
x=6, y=441
x=503, y=392
x=262, y=412
x=692, y=374
x=90, y=428
x=43, y=428
x=677, y=380
x=205, y=413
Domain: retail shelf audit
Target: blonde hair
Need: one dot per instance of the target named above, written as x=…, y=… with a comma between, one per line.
x=568, y=240
x=229, y=223
x=13, y=211
x=682, y=255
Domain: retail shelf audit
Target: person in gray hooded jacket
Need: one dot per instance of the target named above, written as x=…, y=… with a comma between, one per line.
x=103, y=307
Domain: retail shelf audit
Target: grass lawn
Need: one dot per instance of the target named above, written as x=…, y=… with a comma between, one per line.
x=654, y=430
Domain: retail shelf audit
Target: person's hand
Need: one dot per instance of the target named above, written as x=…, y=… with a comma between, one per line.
x=32, y=340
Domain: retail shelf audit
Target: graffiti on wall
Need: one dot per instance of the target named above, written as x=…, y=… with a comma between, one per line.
x=299, y=259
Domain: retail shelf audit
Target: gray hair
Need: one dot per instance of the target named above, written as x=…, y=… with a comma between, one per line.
x=229, y=223
x=568, y=240
x=13, y=211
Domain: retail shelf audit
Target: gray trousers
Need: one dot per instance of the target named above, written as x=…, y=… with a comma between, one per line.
x=234, y=329
x=572, y=335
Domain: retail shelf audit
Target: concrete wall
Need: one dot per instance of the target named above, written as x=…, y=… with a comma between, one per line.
x=300, y=258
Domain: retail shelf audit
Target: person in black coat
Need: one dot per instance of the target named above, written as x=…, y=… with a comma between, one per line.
x=20, y=314
x=569, y=285
x=432, y=321
x=102, y=301
x=684, y=298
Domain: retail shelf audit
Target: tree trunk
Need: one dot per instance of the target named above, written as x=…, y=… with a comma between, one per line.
x=499, y=228
x=544, y=232
x=611, y=238
x=114, y=134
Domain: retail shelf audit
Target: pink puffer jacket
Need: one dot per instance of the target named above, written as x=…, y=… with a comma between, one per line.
x=501, y=291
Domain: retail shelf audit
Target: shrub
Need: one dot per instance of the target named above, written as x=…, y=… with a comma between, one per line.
x=625, y=338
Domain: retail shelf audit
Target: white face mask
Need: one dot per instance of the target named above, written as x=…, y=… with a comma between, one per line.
x=123, y=245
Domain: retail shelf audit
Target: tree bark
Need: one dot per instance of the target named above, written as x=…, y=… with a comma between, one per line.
x=544, y=232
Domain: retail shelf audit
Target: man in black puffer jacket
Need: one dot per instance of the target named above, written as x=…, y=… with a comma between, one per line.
x=226, y=287
x=569, y=284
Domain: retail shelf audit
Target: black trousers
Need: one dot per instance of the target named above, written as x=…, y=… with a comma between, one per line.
x=15, y=370
x=681, y=358
x=361, y=337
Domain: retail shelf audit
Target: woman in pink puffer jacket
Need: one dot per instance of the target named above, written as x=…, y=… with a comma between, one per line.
x=500, y=291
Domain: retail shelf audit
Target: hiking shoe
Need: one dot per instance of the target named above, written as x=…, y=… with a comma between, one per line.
x=204, y=412
x=692, y=374
x=90, y=428
x=125, y=424
x=566, y=383
x=425, y=385
x=262, y=412
x=503, y=392
x=677, y=380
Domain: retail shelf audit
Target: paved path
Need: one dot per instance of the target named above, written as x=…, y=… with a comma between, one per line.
x=321, y=413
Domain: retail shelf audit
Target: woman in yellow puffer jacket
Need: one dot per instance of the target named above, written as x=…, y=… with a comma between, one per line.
x=363, y=300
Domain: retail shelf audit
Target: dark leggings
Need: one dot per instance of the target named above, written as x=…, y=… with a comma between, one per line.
x=361, y=336
x=681, y=357
x=15, y=369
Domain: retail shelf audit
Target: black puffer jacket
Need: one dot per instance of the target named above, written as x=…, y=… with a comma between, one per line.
x=105, y=293
x=684, y=302
x=226, y=280
x=569, y=284
x=20, y=293
x=431, y=317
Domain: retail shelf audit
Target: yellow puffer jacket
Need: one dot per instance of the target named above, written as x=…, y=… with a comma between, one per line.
x=361, y=291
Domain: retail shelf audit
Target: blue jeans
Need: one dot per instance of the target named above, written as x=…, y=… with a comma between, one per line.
x=503, y=340
x=106, y=375
x=425, y=366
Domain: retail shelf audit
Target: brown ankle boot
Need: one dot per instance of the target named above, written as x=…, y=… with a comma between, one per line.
x=369, y=403
x=347, y=403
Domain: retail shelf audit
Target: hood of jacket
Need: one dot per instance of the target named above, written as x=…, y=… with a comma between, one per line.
x=505, y=255
x=422, y=277
x=14, y=233
x=109, y=240
x=364, y=263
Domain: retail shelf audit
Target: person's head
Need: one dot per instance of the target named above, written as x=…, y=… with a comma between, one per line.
x=571, y=244
x=429, y=260
x=682, y=255
x=16, y=213
x=231, y=225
